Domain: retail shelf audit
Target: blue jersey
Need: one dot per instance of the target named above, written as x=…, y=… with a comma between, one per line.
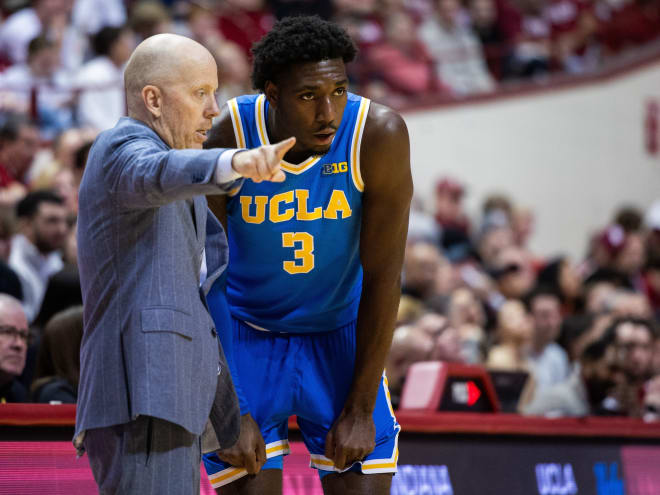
x=294, y=246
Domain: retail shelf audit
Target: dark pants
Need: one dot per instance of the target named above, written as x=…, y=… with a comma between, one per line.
x=144, y=457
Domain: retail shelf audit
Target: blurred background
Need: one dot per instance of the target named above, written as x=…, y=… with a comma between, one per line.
x=534, y=240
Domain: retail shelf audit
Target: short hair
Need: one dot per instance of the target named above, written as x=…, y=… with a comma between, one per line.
x=39, y=44
x=103, y=40
x=295, y=40
x=540, y=291
x=29, y=205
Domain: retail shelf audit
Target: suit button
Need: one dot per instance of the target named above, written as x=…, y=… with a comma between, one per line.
x=213, y=332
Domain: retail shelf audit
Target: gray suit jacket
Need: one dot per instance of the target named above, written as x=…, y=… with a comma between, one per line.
x=149, y=345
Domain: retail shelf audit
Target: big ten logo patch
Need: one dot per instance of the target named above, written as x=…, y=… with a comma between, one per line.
x=556, y=479
x=422, y=480
x=334, y=168
x=608, y=481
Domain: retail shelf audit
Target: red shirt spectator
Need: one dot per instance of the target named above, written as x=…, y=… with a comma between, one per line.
x=244, y=25
x=636, y=23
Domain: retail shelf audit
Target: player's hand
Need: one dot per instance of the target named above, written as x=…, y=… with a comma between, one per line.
x=351, y=439
x=263, y=163
x=249, y=451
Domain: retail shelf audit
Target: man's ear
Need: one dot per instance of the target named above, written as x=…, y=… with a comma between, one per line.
x=153, y=100
x=272, y=93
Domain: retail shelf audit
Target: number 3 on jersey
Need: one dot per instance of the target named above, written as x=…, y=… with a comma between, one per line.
x=304, y=256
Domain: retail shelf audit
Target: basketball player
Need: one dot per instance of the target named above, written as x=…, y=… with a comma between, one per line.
x=313, y=282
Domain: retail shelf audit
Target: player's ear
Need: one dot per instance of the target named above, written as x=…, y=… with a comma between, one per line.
x=272, y=93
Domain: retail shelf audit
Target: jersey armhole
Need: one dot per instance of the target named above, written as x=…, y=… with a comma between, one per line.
x=356, y=144
x=239, y=133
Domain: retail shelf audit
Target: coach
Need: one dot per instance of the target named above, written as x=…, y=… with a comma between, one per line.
x=150, y=360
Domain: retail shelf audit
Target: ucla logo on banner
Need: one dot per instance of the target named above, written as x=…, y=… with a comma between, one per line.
x=422, y=480
x=608, y=481
x=556, y=479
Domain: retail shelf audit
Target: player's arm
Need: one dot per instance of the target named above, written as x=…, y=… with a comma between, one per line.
x=249, y=451
x=220, y=136
x=385, y=168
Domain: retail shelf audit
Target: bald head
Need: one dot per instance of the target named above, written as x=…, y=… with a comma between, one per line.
x=11, y=309
x=161, y=60
x=170, y=83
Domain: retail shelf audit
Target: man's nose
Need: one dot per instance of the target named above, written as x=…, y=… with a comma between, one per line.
x=325, y=112
x=212, y=109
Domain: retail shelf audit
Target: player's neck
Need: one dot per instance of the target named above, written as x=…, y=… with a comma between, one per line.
x=275, y=136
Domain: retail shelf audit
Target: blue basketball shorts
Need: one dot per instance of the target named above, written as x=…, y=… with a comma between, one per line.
x=307, y=375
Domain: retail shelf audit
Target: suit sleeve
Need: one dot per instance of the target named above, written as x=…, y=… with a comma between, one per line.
x=141, y=174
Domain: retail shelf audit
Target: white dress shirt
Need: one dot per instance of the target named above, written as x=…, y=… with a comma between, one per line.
x=101, y=108
x=33, y=269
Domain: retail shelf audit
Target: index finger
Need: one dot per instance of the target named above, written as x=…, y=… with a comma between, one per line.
x=282, y=147
x=250, y=462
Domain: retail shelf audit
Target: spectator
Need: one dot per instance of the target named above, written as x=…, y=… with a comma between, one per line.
x=456, y=50
x=652, y=285
x=492, y=240
x=563, y=278
x=533, y=46
x=42, y=73
x=652, y=223
x=599, y=289
x=548, y=360
x=19, y=142
x=495, y=40
x=149, y=17
x=634, y=339
x=13, y=348
x=522, y=224
x=585, y=392
x=513, y=272
x=35, y=249
x=630, y=218
x=466, y=314
x=655, y=363
x=573, y=26
x=101, y=80
x=233, y=71
x=514, y=338
x=288, y=8
x=630, y=258
x=424, y=268
x=446, y=339
x=449, y=211
x=626, y=302
x=58, y=361
x=400, y=60
x=244, y=22
x=410, y=344
x=631, y=24
x=90, y=16
x=63, y=289
x=44, y=16
x=9, y=281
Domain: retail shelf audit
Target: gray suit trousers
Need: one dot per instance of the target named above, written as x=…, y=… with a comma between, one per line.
x=148, y=456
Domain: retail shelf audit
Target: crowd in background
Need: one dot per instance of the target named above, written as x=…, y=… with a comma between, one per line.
x=583, y=330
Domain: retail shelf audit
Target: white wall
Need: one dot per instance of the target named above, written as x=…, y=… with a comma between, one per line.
x=572, y=155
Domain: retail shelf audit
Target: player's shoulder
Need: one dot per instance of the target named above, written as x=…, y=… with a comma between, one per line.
x=383, y=123
x=222, y=134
